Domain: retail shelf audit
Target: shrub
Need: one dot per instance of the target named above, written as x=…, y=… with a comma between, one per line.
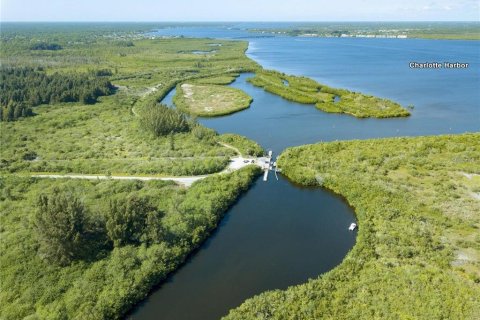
x=62, y=227
x=133, y=221
x=161, y=120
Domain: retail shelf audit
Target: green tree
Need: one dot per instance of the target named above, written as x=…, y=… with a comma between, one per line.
x=202, y=133
x=172, y=141
x=23, y=87
x=161, y=120
x=61, y=225
x=133, y=221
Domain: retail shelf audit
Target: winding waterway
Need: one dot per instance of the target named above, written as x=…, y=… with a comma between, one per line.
x=279, y=234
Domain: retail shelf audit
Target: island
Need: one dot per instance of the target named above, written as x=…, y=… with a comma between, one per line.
x=210, y=100
x=308, y=91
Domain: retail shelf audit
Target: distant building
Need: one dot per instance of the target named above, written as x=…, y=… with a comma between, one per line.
x=381, y=36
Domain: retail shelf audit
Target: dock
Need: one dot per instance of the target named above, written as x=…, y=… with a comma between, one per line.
x=267, y=166
x=265, y=175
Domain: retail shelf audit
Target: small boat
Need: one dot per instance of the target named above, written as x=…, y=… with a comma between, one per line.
x=352, y=227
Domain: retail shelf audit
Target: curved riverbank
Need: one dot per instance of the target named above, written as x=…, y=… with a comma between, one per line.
x=276, y=235
x=408, y=260
x=210, y=100
x=277, y=124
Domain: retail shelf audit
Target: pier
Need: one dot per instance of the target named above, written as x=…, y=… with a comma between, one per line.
x=267, y=164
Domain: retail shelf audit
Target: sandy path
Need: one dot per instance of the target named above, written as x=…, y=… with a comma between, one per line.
x=236, y=163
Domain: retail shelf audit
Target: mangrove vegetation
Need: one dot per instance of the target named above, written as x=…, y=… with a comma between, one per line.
x=77, y=249
x=86, y=100
x=417, y=251
x=308, y=91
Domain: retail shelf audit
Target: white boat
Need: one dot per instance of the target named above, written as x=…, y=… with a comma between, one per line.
x=352, y=227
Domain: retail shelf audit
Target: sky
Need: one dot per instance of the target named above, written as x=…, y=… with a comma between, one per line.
x=239, y=10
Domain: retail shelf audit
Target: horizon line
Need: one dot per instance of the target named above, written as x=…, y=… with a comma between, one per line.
x=226, y=21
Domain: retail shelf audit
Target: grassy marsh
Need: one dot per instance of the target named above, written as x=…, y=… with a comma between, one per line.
x=210, y=100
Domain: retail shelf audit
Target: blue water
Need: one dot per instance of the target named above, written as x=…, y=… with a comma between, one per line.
x=445, y=101
x=279, y=234
x=276, y=235
x=168, y=99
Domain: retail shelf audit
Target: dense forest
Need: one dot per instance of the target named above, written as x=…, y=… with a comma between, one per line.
x=25, y=87
x=416, y=256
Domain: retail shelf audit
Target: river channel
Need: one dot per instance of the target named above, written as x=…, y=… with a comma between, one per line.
x=279, y=234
